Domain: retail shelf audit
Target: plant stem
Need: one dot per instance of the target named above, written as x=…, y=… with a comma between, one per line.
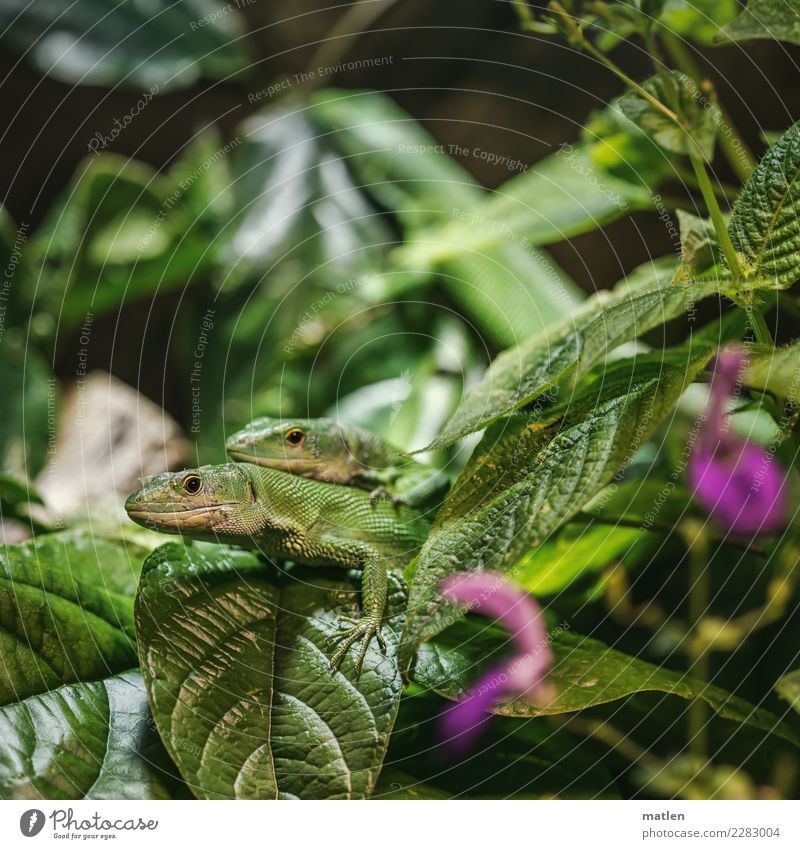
x=699, y=595
x=760, y=328
x=707, y=190
x=734, y=149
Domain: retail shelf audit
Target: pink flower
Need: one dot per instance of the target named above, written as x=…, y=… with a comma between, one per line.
x=737, y=481
x=522, y=675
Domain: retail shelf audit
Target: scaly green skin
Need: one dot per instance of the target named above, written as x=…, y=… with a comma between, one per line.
x=329, y=451
x=289, y=517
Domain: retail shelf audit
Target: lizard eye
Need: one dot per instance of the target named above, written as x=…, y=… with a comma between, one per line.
x=192, y=484
x=295, y=436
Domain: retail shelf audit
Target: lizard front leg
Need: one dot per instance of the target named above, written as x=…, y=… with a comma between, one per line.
x=374, y=590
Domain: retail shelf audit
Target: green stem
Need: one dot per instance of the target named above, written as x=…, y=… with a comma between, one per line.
x=699, y=596
x=733, y=147
x=760, y=328
x=707, y=190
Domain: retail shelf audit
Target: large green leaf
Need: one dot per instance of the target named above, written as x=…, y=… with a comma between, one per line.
x=235, y=658
x=608, y=320
x=585, y=673
x=680, y=93
x=66, y=613
x=84, y=741
x=765, y=225
x=699, y=20
x=778, y=19
x=525, y=479
x=96, y=43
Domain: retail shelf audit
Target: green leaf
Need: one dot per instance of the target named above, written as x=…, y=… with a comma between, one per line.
x=510, y=290
x=15, y=491
x=91, y=740
x=788, y=688
x=122, y=232
x=559, y=562
x=775, y=370
x=765, y=224
x=66, y=613
x=561, y=196
x=235, y=659
x=699, y=20
x=520, y=375
x=680, y=93
x=777, y=19
x=89, y=42
x=585, y=673
x=700, y=250
x=525, y=479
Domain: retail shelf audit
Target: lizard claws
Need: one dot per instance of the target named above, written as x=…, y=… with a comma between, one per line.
x=363, y=631
x=380, y=493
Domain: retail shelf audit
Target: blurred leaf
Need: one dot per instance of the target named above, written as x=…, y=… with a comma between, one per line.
x=28, y=391
x=132, y=44
x=775, y=370
x=236, y=662
x=778, y=19
x=765, y=224
x=680, y=93
x=66, y=613
x=788, y=688
x=560, y=561
x=122, y=232
x=510, y=290
x=561, y=196
x=698, y=20
x=91, y=740
x=525, y=480
x=514, y=759
x=616, y=145
x=585, y=673
x=14, y=491
x=604, y=322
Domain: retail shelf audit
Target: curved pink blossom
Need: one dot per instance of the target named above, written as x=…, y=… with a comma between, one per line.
x=524, y=674
x=741, y=485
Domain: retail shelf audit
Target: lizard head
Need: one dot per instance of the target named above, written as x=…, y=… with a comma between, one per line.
x=210, y=502
x=307, y=447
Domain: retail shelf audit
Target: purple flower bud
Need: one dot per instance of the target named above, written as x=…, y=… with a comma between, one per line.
x=522, y=675
x=738, y=482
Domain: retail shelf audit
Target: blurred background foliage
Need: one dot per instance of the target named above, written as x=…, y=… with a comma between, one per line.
x=350, y=211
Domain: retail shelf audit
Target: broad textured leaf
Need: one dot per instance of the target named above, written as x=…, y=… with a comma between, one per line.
x=92, y=42
x=608, y=320
x=776, y=371
x=513, y=759
x=765, y=225
x=510, y=291
x=526, y=479
x=778, y=19
x=235, y=658
x=789, y=688
x=676, y=91
x=92, y=740
x=66, y=613
x=585, y=673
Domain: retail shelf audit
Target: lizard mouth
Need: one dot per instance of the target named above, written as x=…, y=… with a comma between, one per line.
x=277, y=462
x=176, y=518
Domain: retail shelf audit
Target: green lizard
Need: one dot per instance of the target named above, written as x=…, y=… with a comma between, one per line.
x=286, y=516
x=326, y=450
